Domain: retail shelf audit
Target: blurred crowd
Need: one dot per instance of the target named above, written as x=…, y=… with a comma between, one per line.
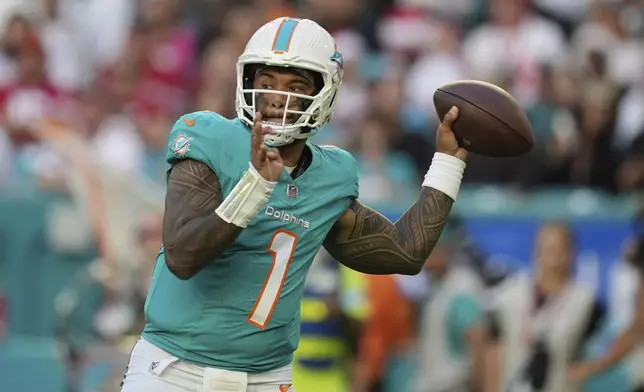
x=119, y=72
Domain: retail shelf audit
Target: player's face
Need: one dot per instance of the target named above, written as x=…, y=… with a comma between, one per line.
x=272, y=106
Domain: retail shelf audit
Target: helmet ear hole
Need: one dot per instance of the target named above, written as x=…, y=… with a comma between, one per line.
x=318, y=82
x=248, y=78
x=332, y=100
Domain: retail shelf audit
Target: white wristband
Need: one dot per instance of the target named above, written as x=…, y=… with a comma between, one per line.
x=445, y=174
x=246, y=199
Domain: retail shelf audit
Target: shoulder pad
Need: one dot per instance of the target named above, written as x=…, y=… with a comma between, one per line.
x=198, y=136
x=342, y=159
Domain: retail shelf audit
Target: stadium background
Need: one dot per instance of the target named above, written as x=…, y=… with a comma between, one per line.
x=89, y=89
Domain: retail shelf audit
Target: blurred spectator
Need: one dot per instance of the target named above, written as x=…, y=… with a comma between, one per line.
x=590, y=160
x=13, y=33
x=384, y=175
x=576, y=68
x=440, y=63
x=239, y=24
x=30, y=97
x=104, y=29
x=353, y=98
x=541, y=323
x=150, y=240
x=6, y=158
x=515, y=42
x=453, y=330
x=632, y=337
x=567, y=13
x=605, y=32
x=630, y=118
x=388, y=334
x=170, y=54
x=405, y=129
x=152, y=125
x=218, y=80
x=332, y=309
x=62, y=51
x=24, y=104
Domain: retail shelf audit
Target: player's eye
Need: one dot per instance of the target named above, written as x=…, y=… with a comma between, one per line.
x=267, y=87
x=297, y=89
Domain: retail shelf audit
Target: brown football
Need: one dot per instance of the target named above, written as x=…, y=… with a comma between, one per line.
x=490, y=121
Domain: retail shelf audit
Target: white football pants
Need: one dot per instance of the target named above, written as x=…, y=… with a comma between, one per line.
x=152, y=369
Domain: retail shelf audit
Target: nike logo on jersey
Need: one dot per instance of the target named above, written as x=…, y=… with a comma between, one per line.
x=286, y=217
x=285, y=387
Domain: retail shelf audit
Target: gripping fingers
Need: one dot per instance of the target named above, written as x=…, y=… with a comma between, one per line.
x=257, y=138
x=268, y=131
x=274, y=155
x=450, y=117
x=263, y=150
x=271, y=155
x=259, y=151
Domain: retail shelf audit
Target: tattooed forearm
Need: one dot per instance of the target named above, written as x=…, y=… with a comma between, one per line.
x=368, y=242
x=193, y=235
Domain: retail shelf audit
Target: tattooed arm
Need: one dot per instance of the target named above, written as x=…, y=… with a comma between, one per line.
x=366, y=241
x=193, y=234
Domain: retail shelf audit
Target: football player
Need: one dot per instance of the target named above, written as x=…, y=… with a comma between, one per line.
x=249, y=203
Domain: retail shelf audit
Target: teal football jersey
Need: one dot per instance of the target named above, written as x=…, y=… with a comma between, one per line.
x=242, y=312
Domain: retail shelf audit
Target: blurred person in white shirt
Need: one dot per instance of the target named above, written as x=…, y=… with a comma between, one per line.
x=103, y=29
x=606, y=32
x=62, y=47
x=453, y=328
x=6, y=158
x=439, y=64
x=630, y=342
x=24, y=104
x=540, y=323
x=12, y=33
x=217, y=77
x=386, y=176
x=353, y=99
x=514, y=41
x=629, y=122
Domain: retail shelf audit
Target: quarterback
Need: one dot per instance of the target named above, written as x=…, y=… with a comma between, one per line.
x=249, y=203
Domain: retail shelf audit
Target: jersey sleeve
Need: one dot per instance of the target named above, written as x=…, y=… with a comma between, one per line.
x=355, y=189
x=465, y=312
x=352, y=165
x=342, y=165
x=192, y=137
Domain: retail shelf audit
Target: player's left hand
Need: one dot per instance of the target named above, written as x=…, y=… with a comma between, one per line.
x=445, y=138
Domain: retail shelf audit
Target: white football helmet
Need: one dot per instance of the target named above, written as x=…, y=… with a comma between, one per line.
x=295, y=43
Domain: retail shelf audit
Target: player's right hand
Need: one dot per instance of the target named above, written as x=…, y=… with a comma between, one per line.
x=446, y=140
x=267, y=162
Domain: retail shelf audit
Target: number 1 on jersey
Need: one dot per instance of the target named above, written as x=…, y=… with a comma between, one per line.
x=282, y=247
